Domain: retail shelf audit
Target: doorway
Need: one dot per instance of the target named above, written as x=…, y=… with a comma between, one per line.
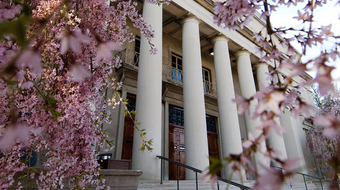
x=129, y=129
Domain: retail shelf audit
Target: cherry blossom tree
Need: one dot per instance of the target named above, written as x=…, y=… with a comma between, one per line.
x=322, y=144
x=283, y=93
x=57, y=58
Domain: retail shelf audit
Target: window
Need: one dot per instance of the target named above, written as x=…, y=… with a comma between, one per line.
x=131, y=106
x=176, y=63
x=176, y=116
x=137, y=51
x=207, y=85
x=211, y=123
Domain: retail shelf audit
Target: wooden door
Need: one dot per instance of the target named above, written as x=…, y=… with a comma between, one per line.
x=128, y=139
x=128, y=129
x=213, y=138
x=176, y=151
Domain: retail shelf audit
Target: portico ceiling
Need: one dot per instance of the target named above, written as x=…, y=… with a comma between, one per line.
x=172, y=18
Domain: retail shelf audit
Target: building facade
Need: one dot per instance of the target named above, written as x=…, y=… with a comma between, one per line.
x=183, y=94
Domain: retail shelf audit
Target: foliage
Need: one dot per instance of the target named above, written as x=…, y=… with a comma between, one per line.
x=323, y=148
x=56, y=59
x=283, y=92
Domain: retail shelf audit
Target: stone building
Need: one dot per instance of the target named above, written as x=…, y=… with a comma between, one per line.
x=183, y=94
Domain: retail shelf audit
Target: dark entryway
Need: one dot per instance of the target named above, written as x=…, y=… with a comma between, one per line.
x=128, y=129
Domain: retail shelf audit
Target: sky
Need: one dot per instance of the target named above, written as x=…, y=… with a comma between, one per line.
x=328, y=14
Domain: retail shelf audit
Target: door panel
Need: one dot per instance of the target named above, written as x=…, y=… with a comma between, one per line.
x=128, y=139
x=176, y=151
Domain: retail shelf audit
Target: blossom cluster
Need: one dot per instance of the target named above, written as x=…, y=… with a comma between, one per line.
x=52, y=77
x=282, y=92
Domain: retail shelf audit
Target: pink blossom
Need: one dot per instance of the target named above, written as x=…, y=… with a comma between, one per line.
x=153, y=51
x=271, y=180
x=326, y=30
x=105, y=50
x=72, y=41
x=26, y=85
x=12, y=133
x=304, y=17
x=269, y=100
x=252, y=142
x=243, y=104
x=268, y=123
x=304, y=109
x=206, y=176
x=331, y=124
x=8, y=11
x=30, y=58
x=78, y=73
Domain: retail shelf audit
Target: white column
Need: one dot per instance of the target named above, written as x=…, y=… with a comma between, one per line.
x=227, y=110
x=292, y=140
x=196, y=143
x=247, y=84
x=149, y=98
x=276, y=141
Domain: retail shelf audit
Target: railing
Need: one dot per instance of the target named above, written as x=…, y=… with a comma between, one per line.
x=172, y=74
x=130, y=57
x=209, y=88
x=306, y=175
x=242, y=187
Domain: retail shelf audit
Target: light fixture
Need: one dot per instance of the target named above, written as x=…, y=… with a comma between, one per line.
x=211, y=51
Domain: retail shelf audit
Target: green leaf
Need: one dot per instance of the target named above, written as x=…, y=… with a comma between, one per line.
x=11, y=82
x=215, y=166
x=142, y=148
x=54, y=113
x=17, y=28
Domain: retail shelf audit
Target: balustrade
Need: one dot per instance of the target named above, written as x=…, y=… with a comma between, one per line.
x=130, y=57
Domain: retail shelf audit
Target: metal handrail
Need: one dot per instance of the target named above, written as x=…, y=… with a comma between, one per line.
x=304, y=178
x=242, y=187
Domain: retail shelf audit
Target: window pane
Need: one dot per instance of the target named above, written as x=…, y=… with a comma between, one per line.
x=173, y=59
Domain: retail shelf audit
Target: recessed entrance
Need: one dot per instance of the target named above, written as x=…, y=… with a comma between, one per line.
x=128, y=129
x=177, y=141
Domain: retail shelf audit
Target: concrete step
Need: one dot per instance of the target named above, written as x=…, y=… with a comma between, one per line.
x=191, y=185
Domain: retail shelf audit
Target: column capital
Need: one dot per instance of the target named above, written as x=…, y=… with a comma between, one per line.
x=242, y=52
x=191, y=17
x=220, y=37
x=260, y=64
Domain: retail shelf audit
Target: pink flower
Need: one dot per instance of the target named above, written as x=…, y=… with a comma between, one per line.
x=273, y=178
x=78, y=73
x=304, y=109
x=331, y=124
x=326, y=30
x=252, y=142
x=269, y=100
x=153, y=51
x=26, y=85
x=105, y=50
x=243, y=104
x=12, y=133
x=30, y=58
x=269, y=123
x=304, y=17
x=206, y=176
x=20, y=76
x=72, y=41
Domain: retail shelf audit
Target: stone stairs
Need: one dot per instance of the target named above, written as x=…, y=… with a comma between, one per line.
x=191, y=185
